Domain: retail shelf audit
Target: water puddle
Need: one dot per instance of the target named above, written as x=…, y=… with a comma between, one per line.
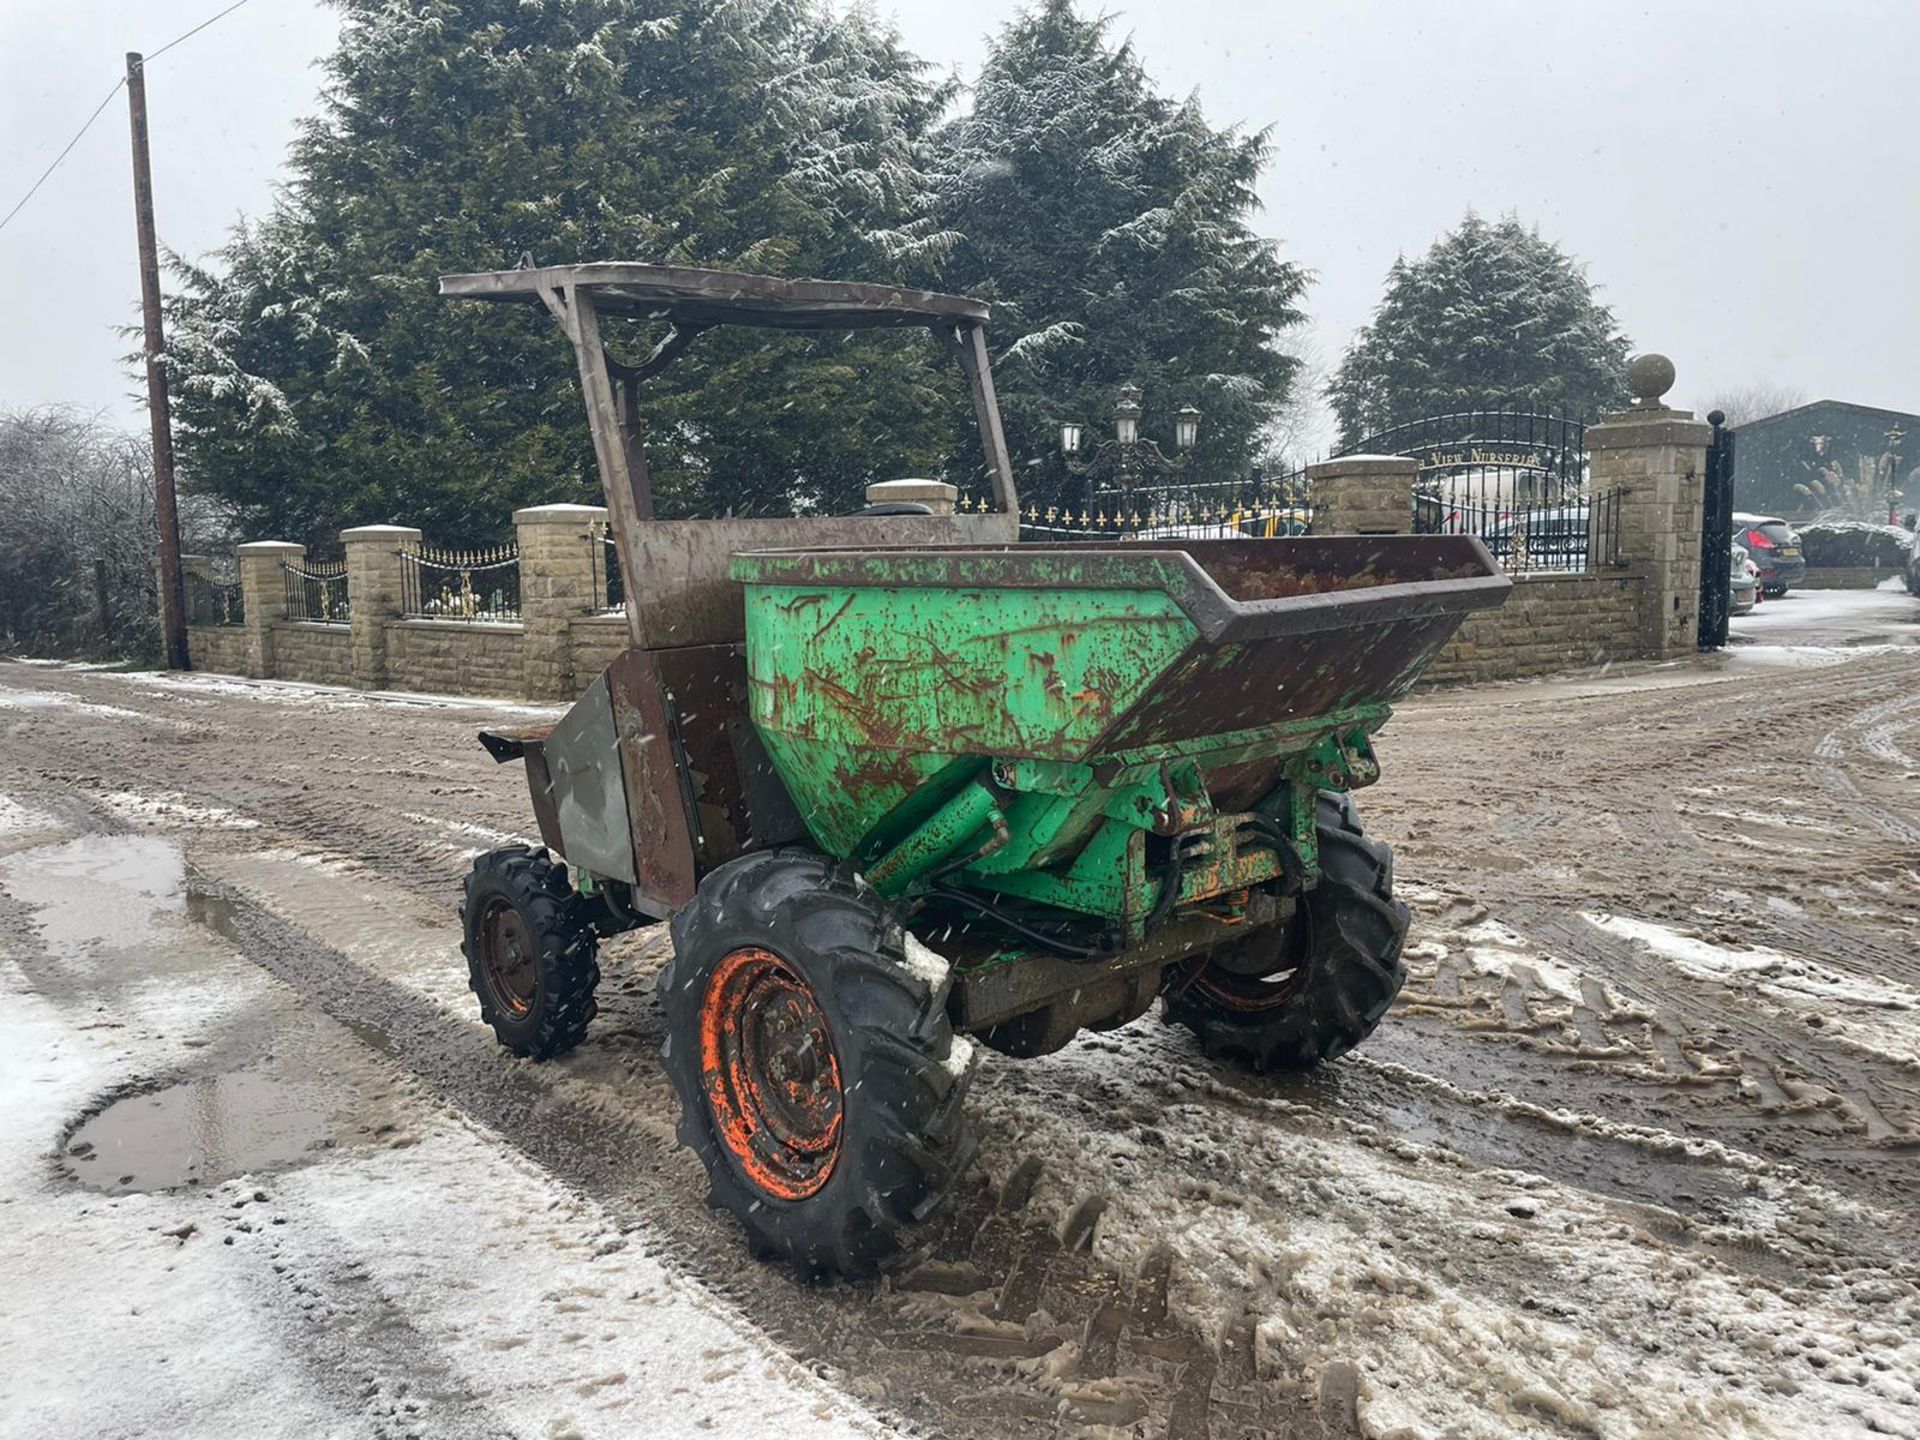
x=99, y=890
x=201, y=1132
x=268, y=1084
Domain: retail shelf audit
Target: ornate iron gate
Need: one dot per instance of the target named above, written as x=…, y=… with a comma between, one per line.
x=1516, y=479
x=1716, y=537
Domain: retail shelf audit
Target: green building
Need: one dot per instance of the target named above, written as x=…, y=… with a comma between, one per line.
x=1829, y=458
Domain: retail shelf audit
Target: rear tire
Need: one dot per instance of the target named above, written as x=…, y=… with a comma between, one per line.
x=1289, y=997
x=530, y=951
x=819, y=1078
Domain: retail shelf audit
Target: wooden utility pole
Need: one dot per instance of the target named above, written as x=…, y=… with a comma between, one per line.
x=173, y=591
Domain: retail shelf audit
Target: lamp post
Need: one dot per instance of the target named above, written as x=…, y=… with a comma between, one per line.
x=1127, y=459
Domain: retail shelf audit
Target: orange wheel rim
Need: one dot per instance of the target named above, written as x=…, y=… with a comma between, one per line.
x=1250, y=992
x=507, y=958
x=771, y=1074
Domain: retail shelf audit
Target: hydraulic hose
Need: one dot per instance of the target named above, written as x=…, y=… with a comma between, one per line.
x=1170, y=878
x=1059, y=945
x=1293, y=870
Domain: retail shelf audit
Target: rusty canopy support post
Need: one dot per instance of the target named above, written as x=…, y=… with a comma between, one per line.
x=970, y=343
x=173, y=592
x=613, y=419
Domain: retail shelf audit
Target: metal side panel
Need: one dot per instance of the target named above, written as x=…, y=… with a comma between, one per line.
x=589, y=789
x=659, y=786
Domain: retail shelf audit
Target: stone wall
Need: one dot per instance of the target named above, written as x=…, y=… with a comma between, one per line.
x=597, y=642
x=218, y=647
x=317, y=654
x=1651, y=456
x=1549, y=623
x=448, y=657
x=561, y=582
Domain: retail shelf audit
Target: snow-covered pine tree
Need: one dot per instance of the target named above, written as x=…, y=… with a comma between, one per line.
x=1110, y=227
x=322, y=382
x=1493, y=316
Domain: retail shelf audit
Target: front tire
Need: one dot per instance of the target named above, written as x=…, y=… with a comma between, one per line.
x=530, y=951
x=819, y=1078
x=1290, y=997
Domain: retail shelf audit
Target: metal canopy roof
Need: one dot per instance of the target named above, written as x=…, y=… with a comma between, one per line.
x=692, y=297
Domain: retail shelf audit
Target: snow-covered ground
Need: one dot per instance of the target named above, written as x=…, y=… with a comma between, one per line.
x=1633, y=1155
x=401, y=1272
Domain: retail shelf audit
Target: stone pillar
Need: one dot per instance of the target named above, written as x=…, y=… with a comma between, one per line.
x=373, y=595
x=936, y=495
x=1363, y=495
x=1656, y=458
x=263, y=595
x=560, y=574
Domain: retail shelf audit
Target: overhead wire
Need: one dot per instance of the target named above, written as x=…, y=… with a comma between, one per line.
x=194, y=31
x=118, y=86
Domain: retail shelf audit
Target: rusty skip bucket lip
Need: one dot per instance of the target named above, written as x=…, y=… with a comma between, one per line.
x=1232, y=590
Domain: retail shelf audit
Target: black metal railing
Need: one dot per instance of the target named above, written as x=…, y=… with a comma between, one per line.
x=609, y=584
x=214, y=602
x=1524, y=529
x=318, y=592
x=1259, y=506
x=471, y=586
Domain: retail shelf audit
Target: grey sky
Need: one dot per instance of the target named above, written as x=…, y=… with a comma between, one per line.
x=1738, y=175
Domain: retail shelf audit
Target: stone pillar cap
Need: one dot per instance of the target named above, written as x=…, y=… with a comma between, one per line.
x=1649, y=377
x=269, y=547
x=362, y=533
x=884, y=490
x=1627, y=429
x=1364, y=464
x=560, y=514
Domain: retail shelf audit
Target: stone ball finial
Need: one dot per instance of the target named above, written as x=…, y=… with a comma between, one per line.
x=1649, y=377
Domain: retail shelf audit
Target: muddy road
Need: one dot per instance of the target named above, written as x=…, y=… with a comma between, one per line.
x=1636, y=1152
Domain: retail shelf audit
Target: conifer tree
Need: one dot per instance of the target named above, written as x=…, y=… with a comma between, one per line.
x=1110, y=228
x=1493, y=316
x=323, y=382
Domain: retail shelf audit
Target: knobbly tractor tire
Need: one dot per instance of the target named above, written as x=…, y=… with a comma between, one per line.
x=1289, y=997
x=530, y=951
x=820, y=1081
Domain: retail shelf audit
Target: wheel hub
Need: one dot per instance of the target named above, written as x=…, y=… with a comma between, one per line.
x=771, y=1074
x=507, y=958
x=1253, y=977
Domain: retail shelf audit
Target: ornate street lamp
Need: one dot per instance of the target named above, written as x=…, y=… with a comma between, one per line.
x=1126, y=458
x=1126, y=416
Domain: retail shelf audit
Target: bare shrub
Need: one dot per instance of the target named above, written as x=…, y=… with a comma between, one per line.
x=77, y=537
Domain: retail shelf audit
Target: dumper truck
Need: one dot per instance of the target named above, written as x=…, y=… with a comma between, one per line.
x=900, y=785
